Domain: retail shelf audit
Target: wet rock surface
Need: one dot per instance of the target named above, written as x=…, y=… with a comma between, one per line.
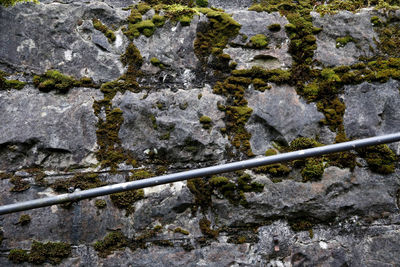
x=160, y=117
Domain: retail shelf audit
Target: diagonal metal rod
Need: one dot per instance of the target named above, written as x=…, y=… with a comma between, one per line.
x=175, y=177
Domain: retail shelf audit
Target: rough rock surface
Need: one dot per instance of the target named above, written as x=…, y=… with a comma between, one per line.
x=46, y=129
x=175, y=119
x=345, y=23
x=274, y=56
x=280, y=114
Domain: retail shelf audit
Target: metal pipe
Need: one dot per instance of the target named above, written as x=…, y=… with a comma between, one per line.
x=170, y=178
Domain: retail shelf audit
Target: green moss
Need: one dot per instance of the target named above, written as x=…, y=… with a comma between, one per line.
x=140, y=174
x=155, y=61
x=106, y=31
x=380, y=159
x=145, y=27
x=185, y=20
x=206, y=230
x=82, y=181
x=20, y=185
x=54, y=80
x=215, y=36
x=206, y=122
x=202, y=193
x=218, y=181
x=237, y=116
x=18, y=256
x=376, y=21
x=303, y=143
x=100, y=203
x=8, y=3
x=259, y=41
x=343, y=41
x=10, y=84
x=244, y=184
x=126, y=200
x=113, y=241
x=135, y=16
x=202, y=3
x=153, y=121
x=24, y=219
x=313, y=170
x=301, y=225
x=274, y=27
x=270, y=152
x=52, y=252
x=389, y=40
x=275, y=170
x=181, y=231
x=158, y=20
x=143, y=8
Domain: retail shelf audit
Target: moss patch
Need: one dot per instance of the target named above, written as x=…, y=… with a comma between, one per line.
x=215, y=36
x=343, y=41
x=82, y=181
x=54, y=80
x=181, y=231
x=258, y=41
x=126, y=200
x=103, y=28
x=100, y=203
x=20, y=185
x=24, y=219
x=10, y=84
x=206, y=230
x=113, y=241
x=52, y=252
x=380, y=159
x=206, y=122
x=274, y=27
x=231, y=189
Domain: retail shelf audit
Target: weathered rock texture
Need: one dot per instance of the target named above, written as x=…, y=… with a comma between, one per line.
x=198, y=102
